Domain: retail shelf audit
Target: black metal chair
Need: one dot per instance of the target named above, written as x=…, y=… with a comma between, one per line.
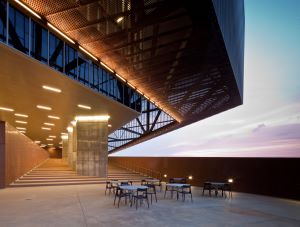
x=141, y=194
x=178, y=180
x=207, y=186
x=108, y=187
x=227, y=188
x=185, y=190
x=170, y=188
x=151, y=191
x=120, y=193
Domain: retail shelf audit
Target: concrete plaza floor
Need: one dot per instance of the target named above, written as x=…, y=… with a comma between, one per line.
x=86, y=205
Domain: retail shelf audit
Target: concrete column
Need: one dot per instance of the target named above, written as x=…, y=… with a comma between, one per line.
x=70, y=146
x=74, y=144
x=65, y=148
x=92, y=148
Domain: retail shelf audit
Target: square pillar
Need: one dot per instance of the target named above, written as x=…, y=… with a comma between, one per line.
x=65, y=144
x=70, y=146
x=92, y=148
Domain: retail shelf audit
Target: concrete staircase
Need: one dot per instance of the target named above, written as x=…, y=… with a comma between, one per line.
x=55, y=172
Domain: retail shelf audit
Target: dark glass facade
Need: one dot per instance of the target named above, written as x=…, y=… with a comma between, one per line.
x=39, y=42
x=3, y=17
x=18, y=30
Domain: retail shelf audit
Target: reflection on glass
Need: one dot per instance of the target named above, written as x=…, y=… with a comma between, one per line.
x=18, y=30
x=56, y=52
x=2, y=20
x=39, y=42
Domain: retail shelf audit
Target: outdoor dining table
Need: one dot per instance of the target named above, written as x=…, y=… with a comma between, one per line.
x=175, y=186
x=217, y=186
x=131, y=188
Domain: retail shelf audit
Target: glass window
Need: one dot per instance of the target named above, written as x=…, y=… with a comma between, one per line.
x=56, y=53
x=39, y=42
x=71, y=61
x=83, y=69
x=119, y=90
x=104, y=82
x=94, y=76
x=2, y=20
x=18, y=30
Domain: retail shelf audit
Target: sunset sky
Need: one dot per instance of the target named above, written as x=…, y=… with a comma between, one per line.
x=268, y=123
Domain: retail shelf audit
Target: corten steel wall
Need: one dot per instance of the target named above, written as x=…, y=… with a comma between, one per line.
x=18, y=154
x=268, y=176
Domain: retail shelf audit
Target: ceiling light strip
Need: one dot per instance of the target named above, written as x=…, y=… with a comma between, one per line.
x=28, y=9
x=120, y=19
x=21, y=115
x=61, y=33
x=20, y=122
x=106, y=66
x=6, y=109
x=84, y=106
x=120, y=77
x=92, y=118
x=44, y=107
x=50, y=124
x=51, y=88
x=53, y=117
x=88, y=53
x=130, y=85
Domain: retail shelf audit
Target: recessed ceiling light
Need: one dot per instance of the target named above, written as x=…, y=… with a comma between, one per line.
x=21, y=122
x=37, y=141
x=50, y=124
x=51, y=88
x=20, y=128
x=52, y=136
x=120, y=19
x=23, y=132
x=64, y=137
x=45, y=128
x=92, y=118
x=109, y=126
x=6, y=109
x=53, y=117
x=84, y=106
x=44, y=107
x=49, y=139
x=21, y=115
x=50, y=144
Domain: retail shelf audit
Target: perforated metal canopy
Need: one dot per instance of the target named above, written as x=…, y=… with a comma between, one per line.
x=174, y=51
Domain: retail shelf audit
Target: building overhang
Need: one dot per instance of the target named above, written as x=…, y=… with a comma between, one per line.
x=21, y=89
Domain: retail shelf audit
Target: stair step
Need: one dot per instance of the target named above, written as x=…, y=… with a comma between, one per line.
x=56, y=172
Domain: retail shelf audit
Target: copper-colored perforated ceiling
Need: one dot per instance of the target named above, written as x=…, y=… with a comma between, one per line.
x=172, y=50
